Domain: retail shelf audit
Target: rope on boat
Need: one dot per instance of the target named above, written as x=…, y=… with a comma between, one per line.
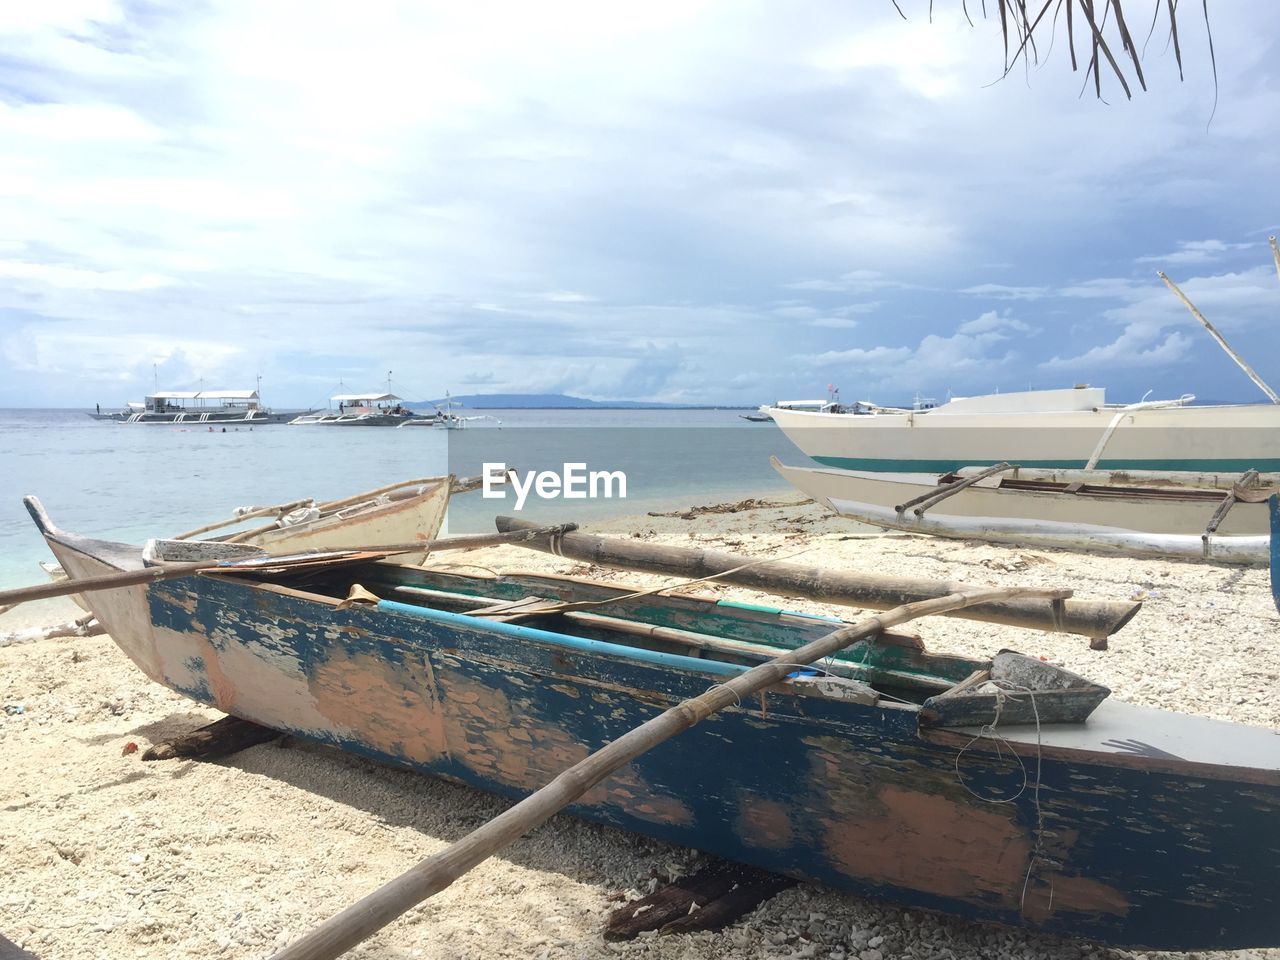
x=1003, y=688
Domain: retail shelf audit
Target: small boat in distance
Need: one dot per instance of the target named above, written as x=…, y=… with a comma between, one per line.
x=1092, y=511
x=199, y=406
x=1072, y=428
x=758, y=417
x=445, y=418
x=360, y=410
x=878, y=775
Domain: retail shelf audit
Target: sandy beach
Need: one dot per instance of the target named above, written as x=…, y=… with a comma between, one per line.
x=107, y=856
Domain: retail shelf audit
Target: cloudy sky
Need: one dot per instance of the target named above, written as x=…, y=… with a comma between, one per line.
x=687, y=201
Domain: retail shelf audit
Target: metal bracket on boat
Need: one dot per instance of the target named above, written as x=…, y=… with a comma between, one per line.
x=941, y=492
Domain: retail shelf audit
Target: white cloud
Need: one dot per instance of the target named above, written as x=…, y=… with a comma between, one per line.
x=563, y=296
x=854, y=281
x=975, y=346
x=1000, y=291
x=993, y=323
x=77, y=278
x=1134, y=347
x=1196, y=251
x=834, y=323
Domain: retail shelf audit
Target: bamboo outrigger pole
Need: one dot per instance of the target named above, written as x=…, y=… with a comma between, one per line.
x=1090, y=618
x=262, y=562
x=369, y=915
x=1213, y=332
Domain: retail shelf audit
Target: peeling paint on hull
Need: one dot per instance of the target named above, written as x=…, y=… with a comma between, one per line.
x=1141, y=855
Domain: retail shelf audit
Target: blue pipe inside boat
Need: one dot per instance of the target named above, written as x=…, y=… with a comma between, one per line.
x=547, y=637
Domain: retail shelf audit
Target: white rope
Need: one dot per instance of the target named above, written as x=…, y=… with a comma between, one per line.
x=989, y=731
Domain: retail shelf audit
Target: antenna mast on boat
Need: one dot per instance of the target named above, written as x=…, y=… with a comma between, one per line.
x=1213, y=332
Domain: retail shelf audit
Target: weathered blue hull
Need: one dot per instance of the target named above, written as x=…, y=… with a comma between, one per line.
x=1274, y=504
x=1138, y=848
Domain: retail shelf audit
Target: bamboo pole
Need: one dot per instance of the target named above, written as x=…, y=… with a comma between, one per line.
x=367, y=916
x=379, y=491
x=943, y=491
x=1213, y=332
x=253, y=515
x=174, y=571
x=1089, y=618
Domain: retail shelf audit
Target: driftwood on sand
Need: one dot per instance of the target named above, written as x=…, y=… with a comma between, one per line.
x=86, y=626
x=710, y=899
x=742, y=506
x=218, y=739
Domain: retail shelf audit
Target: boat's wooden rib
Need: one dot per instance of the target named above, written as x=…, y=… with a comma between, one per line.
x=1138, y=827
x=1174, y=523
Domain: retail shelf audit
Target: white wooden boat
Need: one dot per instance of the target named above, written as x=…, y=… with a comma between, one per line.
x=397, y=513
x=230, y=407
x=1187, y=522
x=448, y=420
x=360, y=410
x=1073, y=428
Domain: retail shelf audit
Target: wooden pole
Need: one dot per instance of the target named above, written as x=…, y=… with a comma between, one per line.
x=1089, y=618
x=361, y=920
x=1213, y=332
x=379, y=491
x=252, y=515
x=173, y=571
x=943, y=491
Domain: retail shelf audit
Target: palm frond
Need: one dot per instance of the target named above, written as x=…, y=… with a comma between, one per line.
x=1022, y=21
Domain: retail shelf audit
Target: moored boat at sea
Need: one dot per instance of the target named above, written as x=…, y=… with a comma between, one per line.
x=238, y=407
x=1073, y=428
x=1089, y=817
x=360, y=410
x=1089, y=511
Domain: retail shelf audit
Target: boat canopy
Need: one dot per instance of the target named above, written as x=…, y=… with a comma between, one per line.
x=204, y=395
x=365, y=397
x=227, y=395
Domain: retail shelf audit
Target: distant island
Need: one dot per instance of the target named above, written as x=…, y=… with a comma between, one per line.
x=561, y=401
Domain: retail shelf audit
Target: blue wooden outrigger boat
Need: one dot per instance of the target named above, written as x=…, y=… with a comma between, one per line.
x=1274, y=504
x=1089, y=817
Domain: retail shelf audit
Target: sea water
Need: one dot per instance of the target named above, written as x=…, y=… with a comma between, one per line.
x=130, y=482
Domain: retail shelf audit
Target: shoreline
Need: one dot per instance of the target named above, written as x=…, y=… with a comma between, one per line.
x=108, y=856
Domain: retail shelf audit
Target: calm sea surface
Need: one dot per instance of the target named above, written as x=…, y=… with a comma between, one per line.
x=134, y=481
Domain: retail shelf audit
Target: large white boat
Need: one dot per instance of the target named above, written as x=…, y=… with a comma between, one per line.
x=1073, y=428
x=198, y=406
x=360, y=410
